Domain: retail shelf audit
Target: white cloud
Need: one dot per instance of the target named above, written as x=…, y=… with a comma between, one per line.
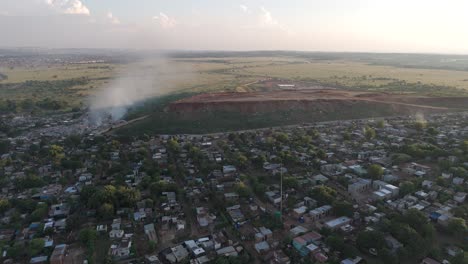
x=165, y=21
x=113, y=19
x=244, y=9
x=266, y=19
x=73, y=7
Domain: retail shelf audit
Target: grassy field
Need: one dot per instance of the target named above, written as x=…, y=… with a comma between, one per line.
x=354, y=74
x=73, y=84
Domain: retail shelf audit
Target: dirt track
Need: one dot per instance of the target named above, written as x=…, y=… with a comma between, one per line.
x=312, y=99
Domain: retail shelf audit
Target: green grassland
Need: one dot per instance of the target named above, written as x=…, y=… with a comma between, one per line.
x=162, y=122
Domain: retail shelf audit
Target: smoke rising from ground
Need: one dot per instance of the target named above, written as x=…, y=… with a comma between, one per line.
x=135, y=84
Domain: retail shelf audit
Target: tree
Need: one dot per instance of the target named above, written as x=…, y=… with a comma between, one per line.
x=4, y=205
x=335, y=242
x=375, y=171
x=381, y=123
x=87, y=236
x=173, y=145
x=4, y=146
x=241, y=160
x=465, y=146
x=15, y=251
x=433, y=131
x=242, y=190
x=343, y=208
x=346, y=136
x=420, y=125
x=323, y=194
x=321, y=154
x=127, y=197
x=35, y=246
x=56, y=152
x=370, y=239
x=399, y=158
x=457, y=226
x=72, y=141
x=282, y=137
x=106, y=211
x=369, y=133
x=407, y=187
x=109, y=193
x=290, y=182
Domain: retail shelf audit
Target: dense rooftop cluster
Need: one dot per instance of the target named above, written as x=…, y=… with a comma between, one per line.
x=377, y=191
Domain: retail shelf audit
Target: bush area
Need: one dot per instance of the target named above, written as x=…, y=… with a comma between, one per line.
x=161, y=122
x=39, y=95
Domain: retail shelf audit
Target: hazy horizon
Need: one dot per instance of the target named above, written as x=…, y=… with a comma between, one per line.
x=250, y=25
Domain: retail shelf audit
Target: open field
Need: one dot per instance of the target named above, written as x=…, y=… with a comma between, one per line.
x=73, y=84
x=302, y=99
x=356, y=74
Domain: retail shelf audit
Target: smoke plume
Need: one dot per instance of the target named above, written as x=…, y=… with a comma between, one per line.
x=136, y=83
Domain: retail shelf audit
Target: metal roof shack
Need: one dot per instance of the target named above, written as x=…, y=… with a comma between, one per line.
x=58, y=255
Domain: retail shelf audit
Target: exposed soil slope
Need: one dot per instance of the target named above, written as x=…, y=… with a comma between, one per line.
x=323, y=100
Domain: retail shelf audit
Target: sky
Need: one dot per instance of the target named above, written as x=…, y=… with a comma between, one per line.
x=422, y=26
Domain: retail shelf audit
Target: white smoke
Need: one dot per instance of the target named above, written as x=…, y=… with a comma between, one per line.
x=136, y=83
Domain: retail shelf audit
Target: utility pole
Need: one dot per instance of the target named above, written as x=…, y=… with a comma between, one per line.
x=281, y=191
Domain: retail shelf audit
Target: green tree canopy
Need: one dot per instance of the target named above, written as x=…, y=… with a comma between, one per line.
x=375, y=171
x=323, y=194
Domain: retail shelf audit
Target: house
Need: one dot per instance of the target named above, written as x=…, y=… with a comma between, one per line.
x=320, y=257
x=58, y=255
x=116, y=233
x=229, y=169
x=122, y=249
x=320, y=212
x=360, y=185
x=331, y=169
x=227, y=251
x=193, y=248
x=427, y=184
x=458, y=181
x=235, y=213
x=277, y=257
x=262, y=247
x=453, y=251
x=446, y=175
x=204, y=219
x=264, y=234
x=101, y=228
x=139, y=215
x=231, y=196
x=338, y=222
x=273, y=197
x=429, y=261
x=59, y=210
x=116, y=223
x=382, y=186
x=298, y=230
x=305, y=244
x=459, y=197
x=151, y=232
x=318, y=179
x=392, y=243
x=152, y=259
x=356, y=260
x=417, y=169
x=358, y=170
x=39, y=260
x=300, y=211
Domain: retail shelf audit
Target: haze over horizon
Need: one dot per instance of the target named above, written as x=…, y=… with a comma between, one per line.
x=337, y=25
